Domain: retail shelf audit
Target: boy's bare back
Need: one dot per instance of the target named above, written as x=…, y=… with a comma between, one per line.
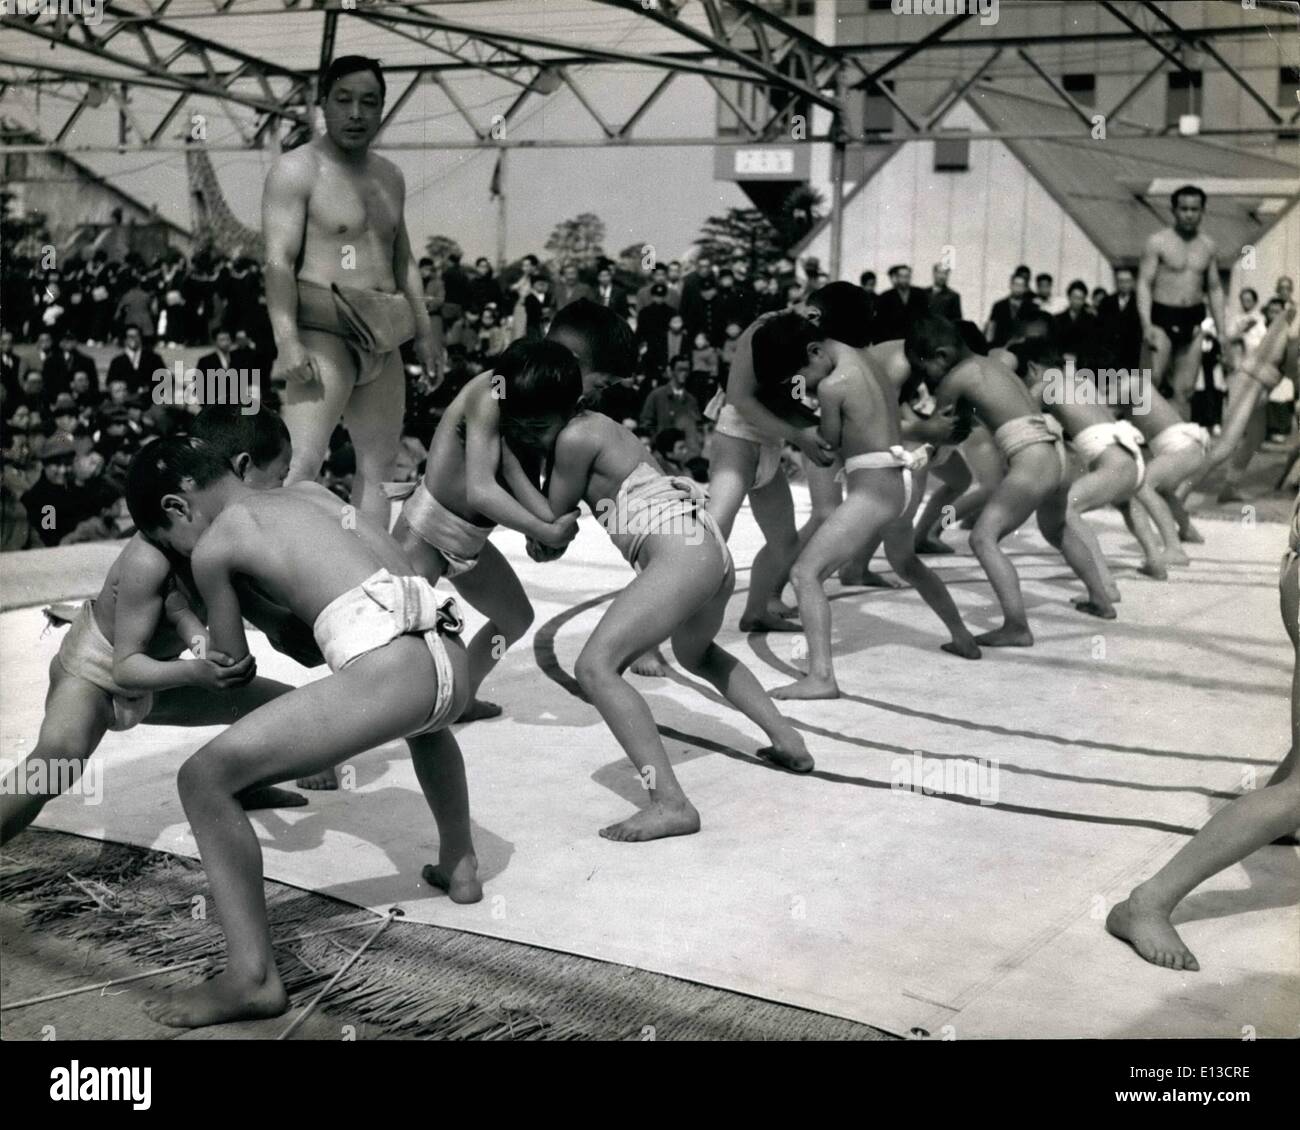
x=302, y=544
x=996, y=393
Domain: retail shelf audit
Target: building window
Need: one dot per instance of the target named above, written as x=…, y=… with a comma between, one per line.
x=877, y=111
x=1183, y=96
x=952, y=154
x=1288, y=87
x=1082, y=88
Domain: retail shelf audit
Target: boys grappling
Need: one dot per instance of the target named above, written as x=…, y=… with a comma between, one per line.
x=398, y=670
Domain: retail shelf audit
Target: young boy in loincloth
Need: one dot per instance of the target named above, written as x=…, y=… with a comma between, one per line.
x=859, y=416
x=684, y=574
x=446, y=520
x=1110, y=451
x=745, y=462
x=1034, y=453
x=1177, y=450
x=120, y=664
x=398, y=670
x=1240, y=827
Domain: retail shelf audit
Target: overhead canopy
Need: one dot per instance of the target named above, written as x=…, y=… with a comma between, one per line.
x=161, y=66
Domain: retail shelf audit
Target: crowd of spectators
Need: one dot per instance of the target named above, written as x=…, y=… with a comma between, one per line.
x=70, y=423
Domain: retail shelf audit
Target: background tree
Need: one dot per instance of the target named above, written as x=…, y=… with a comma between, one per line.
x=757, y=237
x=580, y=240
x=439, y=247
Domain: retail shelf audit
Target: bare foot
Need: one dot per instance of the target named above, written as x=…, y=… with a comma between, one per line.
x=1006, y=636
x=768, y=624
x=808, y=687
x=933, y=545
x=222, y=999
x=865, y=578
x=458, y=877
x=326, y=781
x=796, y=760
x=1092, y=608
x=1191, y=535
x=656, y=822
x=966, y=648
x=1149, y=931
x=1155, y=570
x=652, y=665
x=1113, y=594
x=268, y=796
x=479, y=709
x=780, y=608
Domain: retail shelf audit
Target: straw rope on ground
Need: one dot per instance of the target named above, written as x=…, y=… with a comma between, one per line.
x=135, y=908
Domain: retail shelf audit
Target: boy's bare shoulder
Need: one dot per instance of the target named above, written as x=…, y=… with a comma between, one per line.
x=143, y=564
x=587, y=431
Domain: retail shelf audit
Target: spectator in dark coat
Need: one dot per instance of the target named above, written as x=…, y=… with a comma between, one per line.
x=1118, y=323
x=899, y=307
x=944, y=301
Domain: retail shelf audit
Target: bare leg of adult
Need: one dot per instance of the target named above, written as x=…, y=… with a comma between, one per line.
x=373, y=418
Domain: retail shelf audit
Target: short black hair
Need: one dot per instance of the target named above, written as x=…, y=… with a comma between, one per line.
x=973, y=336
x=165, y=466
x=845, y=313
x=1251, y=291
x=896, y=268
x=930, y=334
x=348, y=65
x=542, y=378
x=862, y=278
x=781, y=347
x=1187, y=190
x=667, y=439
x=228, y=431
x=1077, y=284
x=606, y=338
x=1037, y=351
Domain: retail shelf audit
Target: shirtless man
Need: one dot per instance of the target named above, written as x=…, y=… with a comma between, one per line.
x=1177, y=276
x=342, y=288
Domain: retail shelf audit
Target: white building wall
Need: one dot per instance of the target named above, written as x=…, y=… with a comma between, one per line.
x=1277, y=253
x=993, y=217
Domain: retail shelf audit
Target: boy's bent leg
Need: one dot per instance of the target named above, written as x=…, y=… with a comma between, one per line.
x=1064, y=530
x=1239, y=828
x=773, y=509
x=441, y=771
x=694, y=644
x=376, y=699
x=900, y=549
x=954, y=478
x=493, y=589
x=1034, y=476
x=195, y=706
x=656, y=600
x=77, y=716
x=874, y=499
